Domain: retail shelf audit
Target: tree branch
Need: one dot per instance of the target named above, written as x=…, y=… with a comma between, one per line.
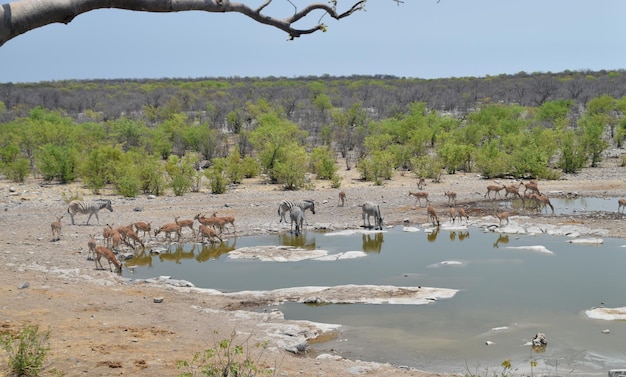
x=21, y=16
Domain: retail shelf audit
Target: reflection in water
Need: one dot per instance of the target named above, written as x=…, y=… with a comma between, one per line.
x=503, y=238
x=178, y=254
x=463, y=235
x=142, y=258
x=432, y=236
x=300, y=240
x=215, y=250
x=372, y=242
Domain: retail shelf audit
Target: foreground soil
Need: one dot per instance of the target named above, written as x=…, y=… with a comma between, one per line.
x=103, y=325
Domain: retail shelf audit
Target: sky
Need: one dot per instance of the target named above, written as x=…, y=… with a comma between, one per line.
x=417, y=39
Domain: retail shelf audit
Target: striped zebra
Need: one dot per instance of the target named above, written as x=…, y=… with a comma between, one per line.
x=85, y=207
x=297, y=216
x=286, y=206
x=371, y=209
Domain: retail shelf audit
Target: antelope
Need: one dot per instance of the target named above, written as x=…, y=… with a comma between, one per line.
x=532, y=187
x=91, y=244
x=452, y=213
x=227, y=220
x=185, y=224
x=542, y=200
x=107, y=234
x=143, y=227
x=215, y=222
x=461, y=213
x=102, y=251
x=419, y=196
x=127, y=232
x=451, y=197
x=209, y=233
x=168, y=229
x=56, y=229
x=621, y=205
x=496, y=189
x=502, y=216
x=342, y=198
x=432, y=215
x=512, y=190
x=420, y=183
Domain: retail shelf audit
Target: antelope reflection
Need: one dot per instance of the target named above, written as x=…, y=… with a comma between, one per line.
x=372, y=242
x=432, y=235
x=215, y=251
x=462, y=235
x=141, y=258
x=179, y=254
x=502, y=239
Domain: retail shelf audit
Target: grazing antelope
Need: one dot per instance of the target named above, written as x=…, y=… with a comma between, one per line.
x=460, y=213
x=496, y=189
x=102, y=251
x=127, y=232
x=144, y=228
x=432, y=215
x=342, y=198
x=214, y=222
x=168, y=229
x=531, y=186
x=514, y=191
x=209, y=233
x=419, y=196
x=91, y=244
x=542, y=200
x=56, y=229
x=502, y=216
x=185, y=224
x=452, y=214
x=227, y=220
x=621, y=205
x=451, y=197
x=420, y=183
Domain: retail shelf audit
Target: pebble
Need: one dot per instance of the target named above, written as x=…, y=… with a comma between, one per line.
x=158, y=300
x=24, y=285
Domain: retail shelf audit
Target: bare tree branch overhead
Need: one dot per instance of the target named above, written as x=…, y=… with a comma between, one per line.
x=21, y=16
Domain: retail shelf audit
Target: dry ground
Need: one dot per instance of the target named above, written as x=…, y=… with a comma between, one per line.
x=103, y=326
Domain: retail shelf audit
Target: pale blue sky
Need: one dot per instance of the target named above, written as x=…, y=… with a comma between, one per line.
x=420, y=38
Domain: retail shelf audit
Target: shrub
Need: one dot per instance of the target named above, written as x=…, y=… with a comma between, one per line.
x=227, y=358
x=27, y=350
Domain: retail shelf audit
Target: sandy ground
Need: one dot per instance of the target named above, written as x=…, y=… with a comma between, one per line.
x=102, y=325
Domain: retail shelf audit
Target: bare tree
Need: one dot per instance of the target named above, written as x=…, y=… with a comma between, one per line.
x=21, y=16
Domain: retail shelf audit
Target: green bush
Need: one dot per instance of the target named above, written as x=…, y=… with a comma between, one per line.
x=58, y=162
x=27, y=350
x=181, y=173
x=323, y=162
x=250, y=167
x=228, y=359
x=217, y=176
x=18, y=170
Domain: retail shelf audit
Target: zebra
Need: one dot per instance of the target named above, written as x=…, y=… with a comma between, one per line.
x=85, y=207
x=371, y=209
x=286, y=206
x=297, y=215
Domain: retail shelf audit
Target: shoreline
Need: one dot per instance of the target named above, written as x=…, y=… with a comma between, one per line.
x=98, y=322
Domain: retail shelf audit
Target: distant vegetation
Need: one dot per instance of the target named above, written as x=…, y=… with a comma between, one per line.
x=149, y=136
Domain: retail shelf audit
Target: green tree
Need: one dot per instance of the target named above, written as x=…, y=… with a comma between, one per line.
x=323, y=163
x=273, y=140
x=58, y=162
x=291, y=170
x=100, y=167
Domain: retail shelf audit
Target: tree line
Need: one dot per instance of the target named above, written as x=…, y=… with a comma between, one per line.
x=152, y=135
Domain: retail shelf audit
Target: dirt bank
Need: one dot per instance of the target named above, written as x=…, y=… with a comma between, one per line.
x=104, y=326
